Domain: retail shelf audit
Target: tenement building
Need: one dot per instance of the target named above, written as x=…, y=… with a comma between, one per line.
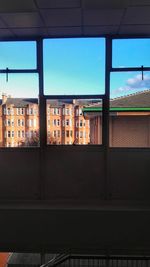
x=19, y=122
x=73, y=122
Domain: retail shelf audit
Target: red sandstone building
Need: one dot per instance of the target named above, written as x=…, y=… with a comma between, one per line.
x=129, y=121
x=19, y=122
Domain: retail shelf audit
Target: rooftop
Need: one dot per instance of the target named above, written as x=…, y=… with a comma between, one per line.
x=139, y=101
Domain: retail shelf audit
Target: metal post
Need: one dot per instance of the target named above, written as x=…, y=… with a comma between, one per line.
x=105, y=131
x=42, y=117
x=42, y=258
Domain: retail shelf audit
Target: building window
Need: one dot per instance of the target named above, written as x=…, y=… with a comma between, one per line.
x=20, y=111
x=30, y=111
x=18, y=123
x=34, y=122
x=56, y=111
x=81, y=123
x=54, y=122
x=67, y=111
x=34, y=111
x=81, y=134
x=80, y=111
x=58, y=133
x=67, y=122
x=55, y=134
x=8, y=122
x=67, y=133
x=9, y=134
x=8, y=111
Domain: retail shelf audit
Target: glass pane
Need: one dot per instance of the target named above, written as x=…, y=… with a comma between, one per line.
x=131, y=53
x=17, y=55
x=19, y=111
x=130, y=110
x=74, y=122
x=74, y=66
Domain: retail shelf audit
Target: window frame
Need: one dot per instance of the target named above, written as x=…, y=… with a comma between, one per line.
x=112, y=69
x=39, y=70
x=20, y=111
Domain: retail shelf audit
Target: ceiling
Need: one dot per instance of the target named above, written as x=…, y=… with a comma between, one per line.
x=62, y=18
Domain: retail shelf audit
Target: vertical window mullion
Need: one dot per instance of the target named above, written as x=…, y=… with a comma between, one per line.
x=42, y=101
x=105, y=114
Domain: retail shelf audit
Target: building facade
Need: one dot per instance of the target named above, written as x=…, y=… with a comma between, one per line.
x=129, y=121
x=19, y=122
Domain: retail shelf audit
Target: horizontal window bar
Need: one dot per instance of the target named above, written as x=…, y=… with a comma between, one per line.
x=74, y=96
x=130, y=69
x=19, y=71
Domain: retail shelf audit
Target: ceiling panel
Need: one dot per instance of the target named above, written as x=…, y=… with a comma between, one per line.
x=135, y=29
x=137, y=15
x=67, y=31
x=62, y=17
x=5, y=33
x=2, y=24
x=139, y=2
x=100, y=30
x=12, y=6
x=58, y=3
x=94, y=4
x=103, y=17
x=25, y=20
x=29, y=32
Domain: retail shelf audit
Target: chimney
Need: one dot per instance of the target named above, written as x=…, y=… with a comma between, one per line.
x=4, y=98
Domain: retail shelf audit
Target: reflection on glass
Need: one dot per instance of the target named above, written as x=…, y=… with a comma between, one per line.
x=19, y=111
x=131, y=53
x=74, y=122
x=130, y=110
x=74, y=66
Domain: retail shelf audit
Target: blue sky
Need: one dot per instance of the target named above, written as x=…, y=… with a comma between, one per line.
x=75, y=66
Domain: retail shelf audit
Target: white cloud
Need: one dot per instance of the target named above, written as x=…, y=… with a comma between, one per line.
x=137, y=82
x=133, y=84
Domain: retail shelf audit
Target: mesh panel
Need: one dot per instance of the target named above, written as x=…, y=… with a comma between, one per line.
x=128, y=131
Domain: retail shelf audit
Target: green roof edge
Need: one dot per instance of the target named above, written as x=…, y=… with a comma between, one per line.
x=92, y=109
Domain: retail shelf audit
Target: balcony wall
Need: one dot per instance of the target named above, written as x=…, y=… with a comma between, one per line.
x=76, y=204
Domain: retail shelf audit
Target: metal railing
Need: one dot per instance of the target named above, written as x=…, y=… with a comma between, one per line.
x=71, y=260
